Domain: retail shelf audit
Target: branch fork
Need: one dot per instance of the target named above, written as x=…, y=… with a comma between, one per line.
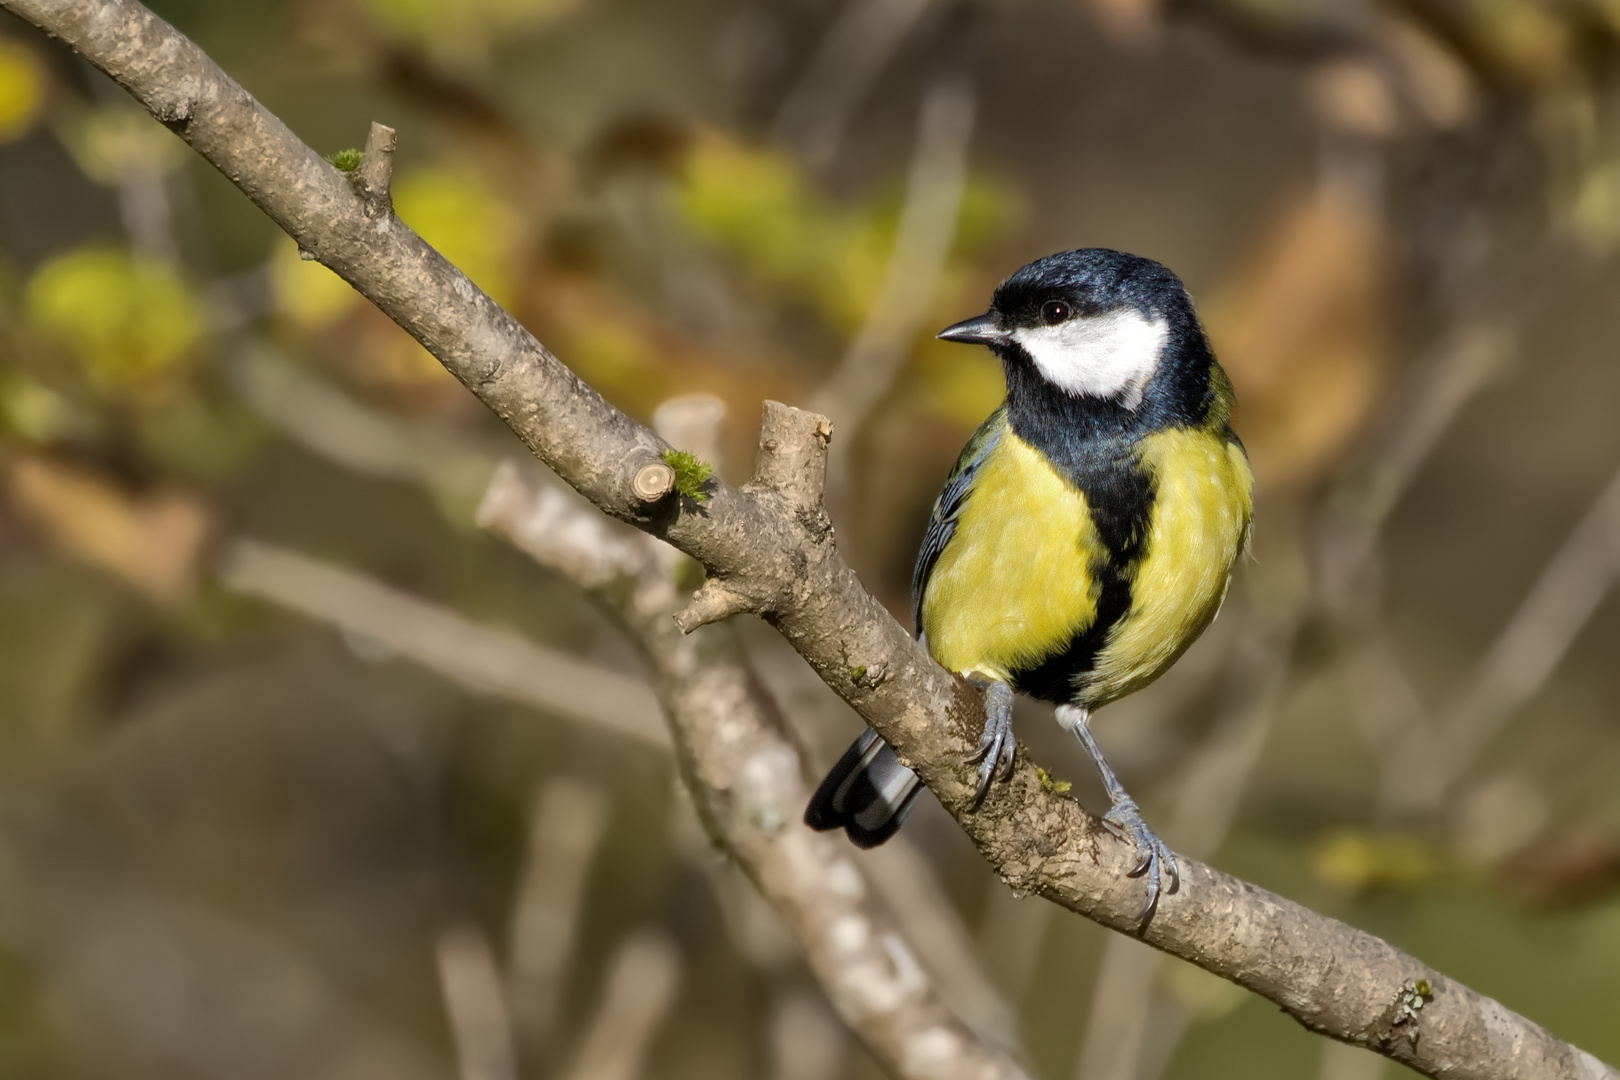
x=791, y=470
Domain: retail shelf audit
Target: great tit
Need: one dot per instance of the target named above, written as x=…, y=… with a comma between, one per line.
x=1087, y=534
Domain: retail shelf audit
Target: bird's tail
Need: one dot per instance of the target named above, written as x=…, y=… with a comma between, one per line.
x=867, y=794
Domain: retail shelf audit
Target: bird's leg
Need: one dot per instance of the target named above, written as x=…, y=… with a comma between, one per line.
x=1153, y=858
x=996, y=745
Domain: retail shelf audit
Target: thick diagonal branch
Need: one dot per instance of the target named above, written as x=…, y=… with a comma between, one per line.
x=1332, y=978
x=745, y=776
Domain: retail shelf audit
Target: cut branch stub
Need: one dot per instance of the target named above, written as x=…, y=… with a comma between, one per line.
x=716, y=600
x=653, y=481
x=376, y=172
x=793, y=455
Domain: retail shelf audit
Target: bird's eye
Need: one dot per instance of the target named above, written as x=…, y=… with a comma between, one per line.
x=1054, y=312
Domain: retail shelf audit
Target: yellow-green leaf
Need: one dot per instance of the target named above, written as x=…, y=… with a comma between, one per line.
x=127, y=320
x=306, y=292
x=115, y=141
x=22, y=89
x=461, y=215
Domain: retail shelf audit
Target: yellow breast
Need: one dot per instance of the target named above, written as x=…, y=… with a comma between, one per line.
x=1019, y=579
x=1013, y=585
x=1200, y=525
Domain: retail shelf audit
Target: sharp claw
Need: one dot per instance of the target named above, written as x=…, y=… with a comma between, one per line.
x=1147, y=908
x=987, y=743
x=994, y=754
x=1153, y=858
x=987, y=771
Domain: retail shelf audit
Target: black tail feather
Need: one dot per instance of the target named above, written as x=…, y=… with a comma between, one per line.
x=867, y=794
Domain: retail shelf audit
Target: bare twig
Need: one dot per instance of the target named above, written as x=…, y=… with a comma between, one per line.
x=900, y=874
x=145, y=206
x=329, y=423
x=806, y=1040
x=854, y=52
x=1565, y=596
x=483, y=659
x=1485, y=328
x=476, y=1003
x=746, y=779
x=905, y=879
x=766, y=544
x=376, y=171
x=922, y=245
x=637, y=995
x=1356, y=514
x=551, y=520
x=567, y=822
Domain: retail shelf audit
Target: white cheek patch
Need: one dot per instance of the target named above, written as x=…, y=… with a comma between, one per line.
x=1108, y=356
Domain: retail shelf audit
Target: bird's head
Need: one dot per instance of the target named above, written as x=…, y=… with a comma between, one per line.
x=1093, y=323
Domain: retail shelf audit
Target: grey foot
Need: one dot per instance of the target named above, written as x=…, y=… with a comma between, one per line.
x=1153, y=858
x=996, y=745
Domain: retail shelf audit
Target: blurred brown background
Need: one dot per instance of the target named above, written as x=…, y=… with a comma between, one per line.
x=268, y=807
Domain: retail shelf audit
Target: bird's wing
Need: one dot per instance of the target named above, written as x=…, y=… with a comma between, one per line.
x=942, y=522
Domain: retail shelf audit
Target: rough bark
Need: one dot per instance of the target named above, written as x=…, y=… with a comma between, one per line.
x=744, y=774
x=769, y=549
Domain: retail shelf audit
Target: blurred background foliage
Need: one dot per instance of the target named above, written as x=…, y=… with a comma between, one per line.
x=260, y=817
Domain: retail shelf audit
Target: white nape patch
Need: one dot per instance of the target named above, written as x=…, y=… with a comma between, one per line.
x=1106, y=356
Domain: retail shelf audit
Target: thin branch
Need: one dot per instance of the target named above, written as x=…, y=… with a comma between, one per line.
x=476, y=1004
x=1563, y=599
x=854, y=52
x=481, y=658
x=354, y=436
x=1483, y=336
x=745, y=777
x=806, y=1041
x=567, y=822
x=909, y=886
x=1354, y=518
x=922, y=245
x=901, y=875
x=376, y=172
x=637, y=995
x=334, y=426
x=567, y=818
x=1332, y=978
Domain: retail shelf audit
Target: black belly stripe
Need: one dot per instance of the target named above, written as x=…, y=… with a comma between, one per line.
x=1100, y=458
x=1057, y=678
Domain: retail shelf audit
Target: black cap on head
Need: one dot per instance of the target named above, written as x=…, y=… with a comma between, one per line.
x=1172, y=385
x=1094, y=281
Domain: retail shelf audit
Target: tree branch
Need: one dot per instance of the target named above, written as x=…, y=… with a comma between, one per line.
x=745, y=776
x=587, y=548
x=766, y=544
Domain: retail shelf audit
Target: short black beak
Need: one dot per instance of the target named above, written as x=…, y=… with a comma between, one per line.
x=977, y=331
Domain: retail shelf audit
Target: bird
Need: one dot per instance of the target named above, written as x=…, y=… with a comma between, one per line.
x=1086, y=536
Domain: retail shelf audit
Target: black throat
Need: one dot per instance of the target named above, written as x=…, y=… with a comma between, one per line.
x=1094, y=444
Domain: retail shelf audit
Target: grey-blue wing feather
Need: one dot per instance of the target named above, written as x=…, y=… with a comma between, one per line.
x=948, y=507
